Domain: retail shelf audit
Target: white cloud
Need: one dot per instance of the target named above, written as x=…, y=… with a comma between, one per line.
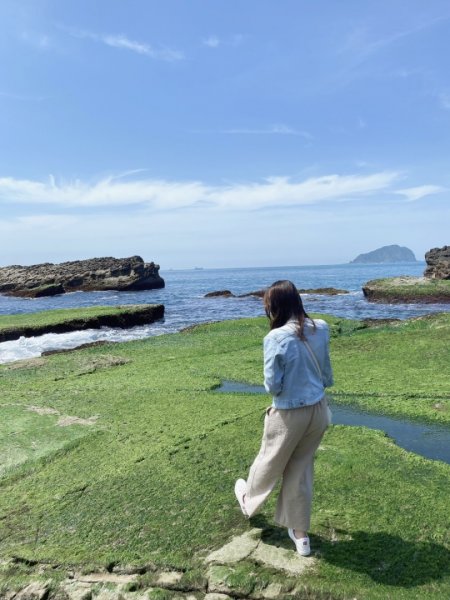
x=212, y=41
x=168, y=195
x=124, y=43
x=420, y=191
x=282, y=191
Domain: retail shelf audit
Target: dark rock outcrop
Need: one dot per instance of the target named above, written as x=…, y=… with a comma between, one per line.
x=329, y=291
x=48, y=279
x=220, y=294
x=438, y=263
x=229, y=294
x=386, y=254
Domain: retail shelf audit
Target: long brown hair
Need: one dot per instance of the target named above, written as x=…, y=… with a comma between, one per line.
x=282, y=302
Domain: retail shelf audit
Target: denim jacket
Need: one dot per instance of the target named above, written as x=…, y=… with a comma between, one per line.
x=290, y=373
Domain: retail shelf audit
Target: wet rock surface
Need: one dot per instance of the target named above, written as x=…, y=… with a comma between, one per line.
x=108, y=273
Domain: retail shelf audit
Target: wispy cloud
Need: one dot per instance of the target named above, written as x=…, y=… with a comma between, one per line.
x=211, y=41
x=420, y=191
x=359, y=40
x=275, y=129
x=362, y=45
x=168, y=195
x=122, y=42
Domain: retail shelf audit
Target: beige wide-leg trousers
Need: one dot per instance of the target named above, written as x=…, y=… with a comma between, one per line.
x=289, y=442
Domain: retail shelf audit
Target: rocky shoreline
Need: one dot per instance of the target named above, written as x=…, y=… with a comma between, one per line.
x=404, y=290
x=96, y=274
x=432, y=288
x=124, y=317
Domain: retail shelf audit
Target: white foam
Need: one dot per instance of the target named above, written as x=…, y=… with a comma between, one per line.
x=34, y=346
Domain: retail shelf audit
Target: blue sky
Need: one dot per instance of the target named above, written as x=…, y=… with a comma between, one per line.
x=219, y=133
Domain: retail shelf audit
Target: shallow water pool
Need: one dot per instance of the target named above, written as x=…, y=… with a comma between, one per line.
x=430, y=441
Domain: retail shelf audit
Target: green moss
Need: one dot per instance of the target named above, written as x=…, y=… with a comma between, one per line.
x=399, y=369
x=152, y=481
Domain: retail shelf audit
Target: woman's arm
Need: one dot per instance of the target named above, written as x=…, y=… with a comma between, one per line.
x=327, y=371
x=273, y=366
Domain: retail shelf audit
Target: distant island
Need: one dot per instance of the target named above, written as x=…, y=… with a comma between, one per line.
x=386, y=254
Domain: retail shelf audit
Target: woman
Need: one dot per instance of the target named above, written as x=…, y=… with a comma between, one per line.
x=297, y=370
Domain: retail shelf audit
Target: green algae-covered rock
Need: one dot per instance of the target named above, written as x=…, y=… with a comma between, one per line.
x=407, y=289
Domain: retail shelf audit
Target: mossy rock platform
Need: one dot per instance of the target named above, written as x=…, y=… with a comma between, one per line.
x=12, y=327
x=118, y=463
x=407, y=290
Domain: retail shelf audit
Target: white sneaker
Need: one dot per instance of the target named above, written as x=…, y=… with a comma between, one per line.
x=240, y=487
x=302, y=544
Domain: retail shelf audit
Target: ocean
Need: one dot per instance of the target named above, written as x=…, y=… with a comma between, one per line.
x=185, y=304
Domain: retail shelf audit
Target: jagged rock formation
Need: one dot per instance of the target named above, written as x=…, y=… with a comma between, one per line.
x=386, y=254
x=438, y=263
x=48, y=279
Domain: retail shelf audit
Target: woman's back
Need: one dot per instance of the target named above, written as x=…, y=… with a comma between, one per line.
x=296, y=371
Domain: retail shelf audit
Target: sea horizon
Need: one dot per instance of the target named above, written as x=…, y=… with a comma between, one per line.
x=185, y=304
x=293, y=266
